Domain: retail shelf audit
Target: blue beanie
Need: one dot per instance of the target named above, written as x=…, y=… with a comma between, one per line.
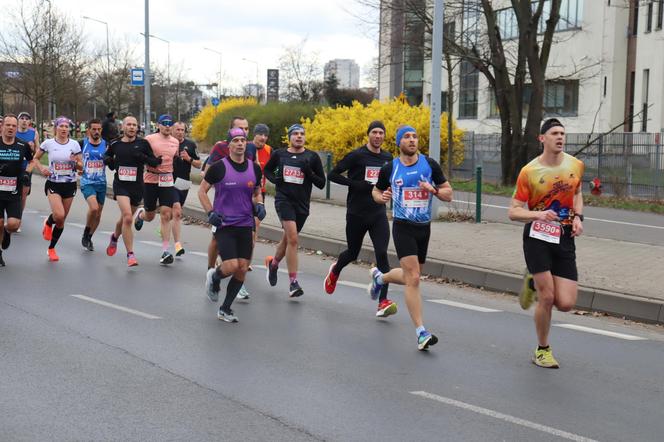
x=293, y=128
x=402, y=131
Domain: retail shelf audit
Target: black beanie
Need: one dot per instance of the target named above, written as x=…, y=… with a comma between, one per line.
x=548, y=124
x=376, y=124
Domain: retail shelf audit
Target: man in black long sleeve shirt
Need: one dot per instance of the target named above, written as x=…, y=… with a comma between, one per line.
x=293, y=171
x=363, y=213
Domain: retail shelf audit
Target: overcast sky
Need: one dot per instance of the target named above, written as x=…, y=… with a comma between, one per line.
x=254, y=29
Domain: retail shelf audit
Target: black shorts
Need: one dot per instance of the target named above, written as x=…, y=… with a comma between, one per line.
x=12, y=208
x=132, y=190
x=65, y=190
x=235, y=242
x=181, y=196
x=542, y=256
x=287, y=212
x=153, y=193
x=411, y=239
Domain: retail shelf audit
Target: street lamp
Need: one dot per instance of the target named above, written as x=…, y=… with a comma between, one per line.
x=108, y=49
x=168, y=63
x=256, y=63
x=146, y=88
x=218, y=84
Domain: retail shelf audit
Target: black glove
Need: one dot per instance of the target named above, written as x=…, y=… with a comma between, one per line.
x=278, y=175
x=259, y=211
x=160, y=159
x=109, y=162
x=214, y=218
x=25, y=179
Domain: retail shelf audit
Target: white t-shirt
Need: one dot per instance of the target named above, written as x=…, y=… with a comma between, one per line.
x=63, y=169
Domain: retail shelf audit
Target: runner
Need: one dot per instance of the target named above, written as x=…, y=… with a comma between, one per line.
x=14, y=154
x=263, y=152
x=27, y=134
x=93, y=179
x=109, y=128
x=128, y=156
x=364, y=214
x=293, y=171
x=186, y=158
x=237, y=200
x=159, y=185
x=64, y=157
x=410, y=181
x=548, y=199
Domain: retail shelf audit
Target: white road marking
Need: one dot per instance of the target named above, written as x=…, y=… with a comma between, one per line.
x=106, y=232
x=354, y=284
x=116, y=307
x=610, y=221
x=598, y=331
x=30, y=211
x=503, y=417
x=466, y=306
x=80, y=226
x=260, y=266
x=198, y=254
x=152, y=243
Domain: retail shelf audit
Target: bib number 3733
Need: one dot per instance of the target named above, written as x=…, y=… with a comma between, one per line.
x=545, y=231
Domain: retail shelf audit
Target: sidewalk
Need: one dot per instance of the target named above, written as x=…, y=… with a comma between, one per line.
x=617, y=277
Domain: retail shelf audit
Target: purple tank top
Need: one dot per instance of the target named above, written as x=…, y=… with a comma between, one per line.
x=233, y=196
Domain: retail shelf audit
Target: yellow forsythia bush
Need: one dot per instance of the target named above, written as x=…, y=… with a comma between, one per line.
x=339, y=130
x=203, y=120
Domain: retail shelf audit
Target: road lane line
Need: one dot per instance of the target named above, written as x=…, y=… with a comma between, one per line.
x=153, y=243
x=116, y=307
x=598, y=331
x=354, y=284
x=80, y=226
x=466, y=306
x=503, y=417
x=198, y=254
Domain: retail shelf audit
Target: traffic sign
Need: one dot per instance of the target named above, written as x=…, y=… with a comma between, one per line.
x=138, y=77
x=215, y=101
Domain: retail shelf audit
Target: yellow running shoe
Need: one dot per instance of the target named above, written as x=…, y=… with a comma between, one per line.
x=544, y=358
x=527, y=295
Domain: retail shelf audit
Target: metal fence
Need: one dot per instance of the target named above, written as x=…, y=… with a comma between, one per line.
x=627, y=164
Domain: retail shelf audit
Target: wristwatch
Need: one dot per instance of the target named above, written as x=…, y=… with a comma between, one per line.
x=580, y=216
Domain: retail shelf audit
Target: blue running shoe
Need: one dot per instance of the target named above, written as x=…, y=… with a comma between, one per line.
x=426, y=340
x=375, y=287
x=212, y=291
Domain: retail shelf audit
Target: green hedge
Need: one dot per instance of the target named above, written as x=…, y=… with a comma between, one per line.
x=278, y=116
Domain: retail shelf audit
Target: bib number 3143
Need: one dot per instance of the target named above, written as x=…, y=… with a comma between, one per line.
x=545, y=231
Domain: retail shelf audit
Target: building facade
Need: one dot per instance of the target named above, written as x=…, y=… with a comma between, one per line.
x=347, y=73
x=602, y=69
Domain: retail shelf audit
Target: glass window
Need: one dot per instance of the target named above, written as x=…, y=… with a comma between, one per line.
x=571, y=17
x=468, y=90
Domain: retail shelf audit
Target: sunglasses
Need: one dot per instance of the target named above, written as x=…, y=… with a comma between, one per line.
x=166, y=123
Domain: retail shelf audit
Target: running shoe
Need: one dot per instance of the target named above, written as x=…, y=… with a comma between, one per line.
x=243, y=294
x=179, y=250
x=6, y=240
x=2, y=261
x=226, y=316
x=271, y=274
x=426, y=340
x=47, y=231
x=330, y=283
x=544, y=358
x=166, y=258
x=84, y=241
x=112, y=246
x=91, y=247
x=138, y=222
x=295, y=290
x=131, y=260
x=527, y=294
x=52, y=256
x=250, y=268
x=375, y=287
x=212, y=291
x=386, y=308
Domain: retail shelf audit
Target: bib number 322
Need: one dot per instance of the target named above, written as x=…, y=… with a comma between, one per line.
x=545, y=231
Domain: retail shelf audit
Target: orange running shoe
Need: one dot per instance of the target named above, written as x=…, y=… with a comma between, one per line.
x=52, y=256
x=112, y=246
x=47, y=231
x=131, y=260
x=331, y=281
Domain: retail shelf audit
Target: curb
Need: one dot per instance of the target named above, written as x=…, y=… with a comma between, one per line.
x=589, y=298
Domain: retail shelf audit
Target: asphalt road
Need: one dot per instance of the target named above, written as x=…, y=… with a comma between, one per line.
x=92, y=350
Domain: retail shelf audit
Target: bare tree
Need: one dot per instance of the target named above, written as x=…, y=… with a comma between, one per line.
x=300, y=74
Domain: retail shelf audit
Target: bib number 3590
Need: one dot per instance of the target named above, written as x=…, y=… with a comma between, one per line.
x=546, y=231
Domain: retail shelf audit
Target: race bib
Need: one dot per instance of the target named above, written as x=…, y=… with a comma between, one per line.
x=63, y=168
x=414, y=197
x=293, y=175
x=8, y=183
x=126, y=173
x=165, y=180
x=546, y=231
x=371, y=174
x=181, y=184
x=94, y=167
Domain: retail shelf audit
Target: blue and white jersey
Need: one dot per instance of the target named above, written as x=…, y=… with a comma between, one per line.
x=94, y=170
x=409, y=202
x=28, y=136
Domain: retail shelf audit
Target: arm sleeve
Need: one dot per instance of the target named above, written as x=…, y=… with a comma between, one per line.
x=28, y=153
x=384, y=177
x=342, y=166
x=318, y=178
x=437, y=175
x=272, y=163
x=215, y=173
x=259, y=175
x=194, y=152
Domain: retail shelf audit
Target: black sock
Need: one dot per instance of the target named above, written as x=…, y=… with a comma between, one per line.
x=539, y=347
x=217, y=276
x=86, y=232
x=49, y=220
x=531, y=284
x=57, y=231
x=234, y=286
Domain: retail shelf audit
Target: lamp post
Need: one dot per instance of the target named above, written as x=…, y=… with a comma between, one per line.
x=168, y=63
x=108, y=48
x=436, y=96
x=256, y=63
x=146, y=88
x=218, y=84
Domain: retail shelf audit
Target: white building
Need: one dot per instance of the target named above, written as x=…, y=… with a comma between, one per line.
x=346, y=71
x=606, y=64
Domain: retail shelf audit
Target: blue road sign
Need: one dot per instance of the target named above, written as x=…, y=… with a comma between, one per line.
x=215, y=101
x=137, y=77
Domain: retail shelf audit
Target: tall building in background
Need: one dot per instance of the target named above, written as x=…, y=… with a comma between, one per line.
x=346, y=71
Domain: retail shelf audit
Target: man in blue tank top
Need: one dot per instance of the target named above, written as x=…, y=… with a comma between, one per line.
x=237, y=199
x=411, y=181
x=93, y=179
x=27, y=134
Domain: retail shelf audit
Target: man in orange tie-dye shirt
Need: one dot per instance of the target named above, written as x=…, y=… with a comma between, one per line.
x=548, y=199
